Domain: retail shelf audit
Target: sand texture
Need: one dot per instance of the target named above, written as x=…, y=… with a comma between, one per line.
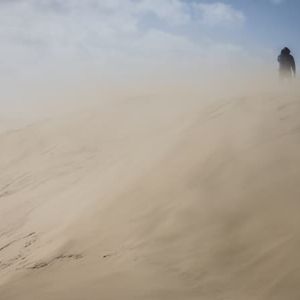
x=154, y=198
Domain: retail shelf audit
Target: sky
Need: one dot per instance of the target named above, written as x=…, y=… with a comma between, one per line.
x=122, y=36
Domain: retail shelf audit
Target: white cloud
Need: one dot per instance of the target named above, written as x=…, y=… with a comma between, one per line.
x=39, y=32
x=171, y=11
x=219, y=13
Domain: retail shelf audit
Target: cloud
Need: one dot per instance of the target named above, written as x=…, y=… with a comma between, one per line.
x=219, y=13
x=35, y=33
x=174, y=12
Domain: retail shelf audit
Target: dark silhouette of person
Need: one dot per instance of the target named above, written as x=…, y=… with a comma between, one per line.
x=287, y=65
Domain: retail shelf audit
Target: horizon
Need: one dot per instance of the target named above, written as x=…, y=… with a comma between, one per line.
x=52, y=48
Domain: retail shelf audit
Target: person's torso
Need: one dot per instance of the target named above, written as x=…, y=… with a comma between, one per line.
x=285, y=62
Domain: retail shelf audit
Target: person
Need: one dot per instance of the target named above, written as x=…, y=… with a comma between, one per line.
x=287, y=65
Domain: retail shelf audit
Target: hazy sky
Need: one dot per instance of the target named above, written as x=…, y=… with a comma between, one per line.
x=116, y=35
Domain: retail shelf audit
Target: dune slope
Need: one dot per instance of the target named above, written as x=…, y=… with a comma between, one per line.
x=154, y=199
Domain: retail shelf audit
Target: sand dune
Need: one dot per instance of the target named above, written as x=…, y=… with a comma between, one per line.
x=154, y=198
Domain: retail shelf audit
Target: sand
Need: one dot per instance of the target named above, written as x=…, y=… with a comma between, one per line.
x=154, y=198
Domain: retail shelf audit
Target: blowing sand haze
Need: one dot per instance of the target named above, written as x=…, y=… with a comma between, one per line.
x=149, y=150
x=154, y=199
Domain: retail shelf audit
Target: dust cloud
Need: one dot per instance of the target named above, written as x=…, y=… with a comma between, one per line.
x=150, y=187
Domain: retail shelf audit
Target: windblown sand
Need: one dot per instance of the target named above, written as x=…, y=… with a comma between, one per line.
x=154, y=198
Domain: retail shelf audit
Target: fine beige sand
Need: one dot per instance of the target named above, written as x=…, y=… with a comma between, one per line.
x=154, y=197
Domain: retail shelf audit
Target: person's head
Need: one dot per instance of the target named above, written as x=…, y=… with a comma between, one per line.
x=285, y=51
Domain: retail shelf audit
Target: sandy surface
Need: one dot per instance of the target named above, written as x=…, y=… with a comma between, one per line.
x=154, y=198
